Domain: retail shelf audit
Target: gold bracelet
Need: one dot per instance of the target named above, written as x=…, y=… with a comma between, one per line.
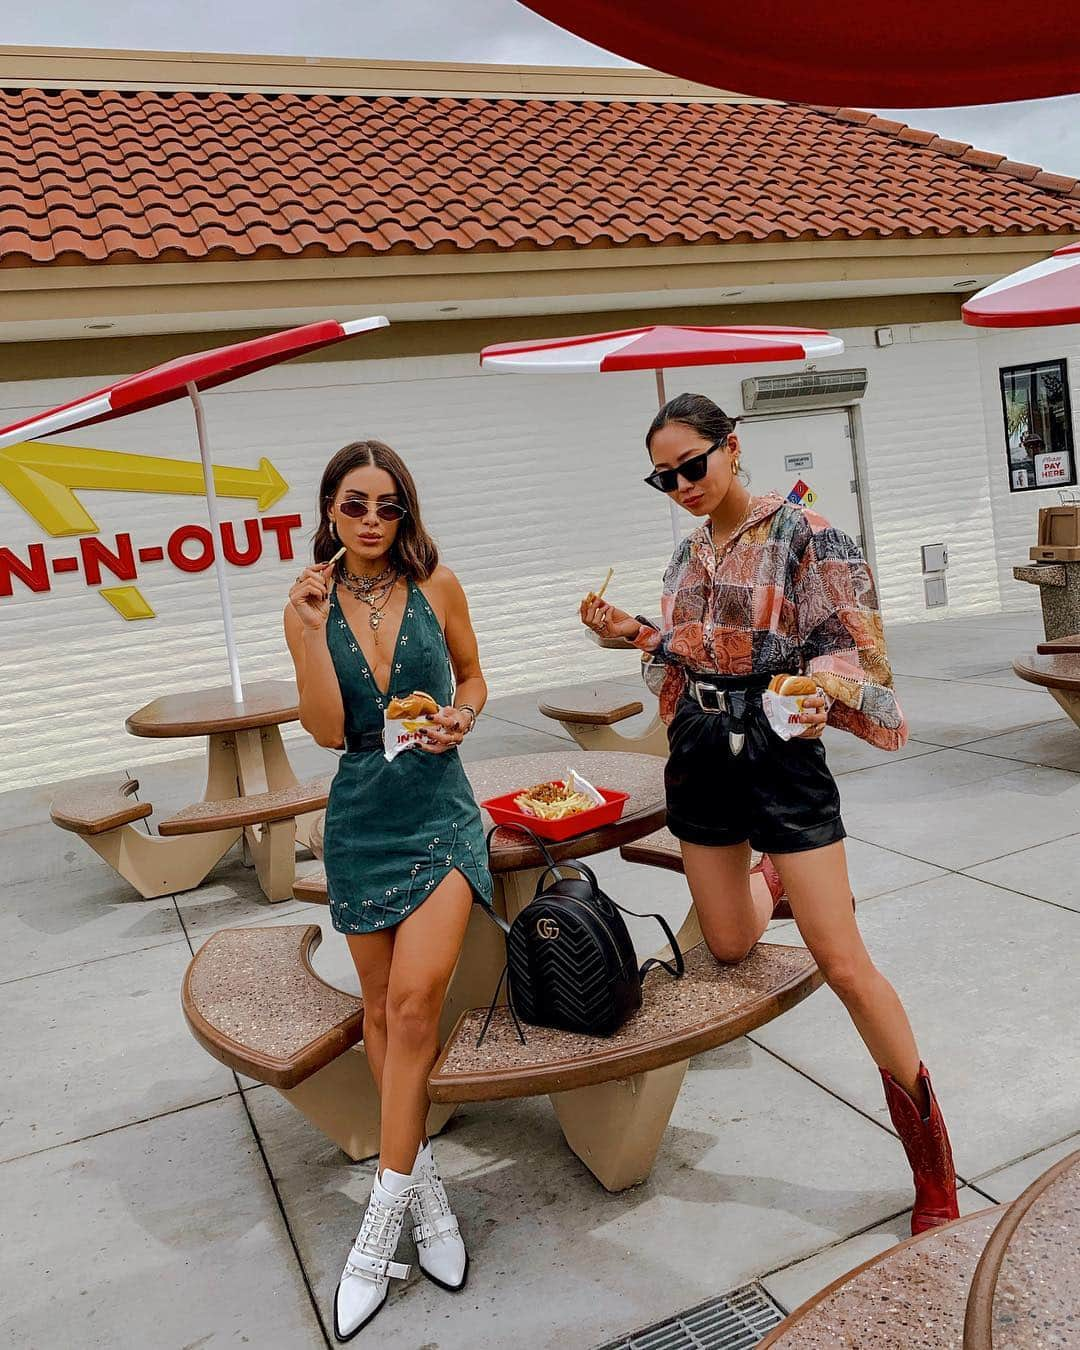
x=467, y=707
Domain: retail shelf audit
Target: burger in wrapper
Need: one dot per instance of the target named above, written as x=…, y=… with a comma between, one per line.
x=783, y=702
x=406, y=720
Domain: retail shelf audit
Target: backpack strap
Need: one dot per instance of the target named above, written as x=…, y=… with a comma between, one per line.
x=675, y=967
x=552, y=865
x=491, y=1010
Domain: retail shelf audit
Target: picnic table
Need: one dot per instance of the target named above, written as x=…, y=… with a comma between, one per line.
x=245, y=752
x=1025, y=1293
x=251, y=794
x=253, y=1001
x=1056, y=672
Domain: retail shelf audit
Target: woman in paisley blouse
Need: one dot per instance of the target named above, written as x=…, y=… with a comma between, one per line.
x=763, y=588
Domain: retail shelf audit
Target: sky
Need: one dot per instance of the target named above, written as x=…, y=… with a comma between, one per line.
x=1044, y=132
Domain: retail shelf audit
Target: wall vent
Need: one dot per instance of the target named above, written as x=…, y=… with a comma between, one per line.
x=806, y=389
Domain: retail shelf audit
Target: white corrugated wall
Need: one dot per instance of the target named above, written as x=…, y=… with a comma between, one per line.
x=532, y=487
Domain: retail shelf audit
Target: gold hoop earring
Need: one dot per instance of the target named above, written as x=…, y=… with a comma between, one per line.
x=735, y=465
x=333, y=526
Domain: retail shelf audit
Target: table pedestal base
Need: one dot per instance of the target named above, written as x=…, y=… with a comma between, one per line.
x=272, y=849
x=652, y=741
x=341, y=1100
x=1069, y=701
x=156, y=866
x=615, y=1128
x=243, y=764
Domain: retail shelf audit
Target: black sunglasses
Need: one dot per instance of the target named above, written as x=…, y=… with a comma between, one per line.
x=693, y=469
x=356, y=508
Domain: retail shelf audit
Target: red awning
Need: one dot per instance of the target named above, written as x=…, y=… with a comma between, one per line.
x=922, y=54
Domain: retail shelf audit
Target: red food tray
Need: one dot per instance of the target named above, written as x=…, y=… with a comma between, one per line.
x=504, y=811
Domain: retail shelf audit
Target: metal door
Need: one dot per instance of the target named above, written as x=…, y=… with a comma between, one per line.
x=814, y=452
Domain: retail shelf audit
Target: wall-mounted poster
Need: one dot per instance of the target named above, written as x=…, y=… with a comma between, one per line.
x=1038, y=426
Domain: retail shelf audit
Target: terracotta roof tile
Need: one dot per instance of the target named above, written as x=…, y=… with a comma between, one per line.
x=88, y=177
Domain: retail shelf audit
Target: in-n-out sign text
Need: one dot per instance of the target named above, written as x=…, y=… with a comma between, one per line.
x=190, y=548
x=45, y=478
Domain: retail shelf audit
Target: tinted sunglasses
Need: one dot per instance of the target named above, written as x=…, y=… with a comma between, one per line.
x=693, y=469
x=357, y=507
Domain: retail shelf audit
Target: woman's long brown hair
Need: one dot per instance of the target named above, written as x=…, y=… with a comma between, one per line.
x=413, y=551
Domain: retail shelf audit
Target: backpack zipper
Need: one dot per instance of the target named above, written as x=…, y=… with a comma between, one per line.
x=595, y=913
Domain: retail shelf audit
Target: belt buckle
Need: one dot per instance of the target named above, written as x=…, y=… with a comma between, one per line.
x=719, y=703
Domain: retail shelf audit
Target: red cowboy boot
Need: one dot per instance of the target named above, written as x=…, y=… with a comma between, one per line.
x=781, y=908
x=926, y=1143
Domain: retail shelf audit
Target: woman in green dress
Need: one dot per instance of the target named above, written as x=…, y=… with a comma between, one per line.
x=403, y=840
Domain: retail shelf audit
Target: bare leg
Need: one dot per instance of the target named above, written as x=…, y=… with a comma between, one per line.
x=372, y=954
x=819, y=891
x=733, y=908
x=426, y=949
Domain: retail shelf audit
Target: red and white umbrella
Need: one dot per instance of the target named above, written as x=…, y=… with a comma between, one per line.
x=185, y=378
x=660, y=347
x=1046, y=293
x=922, y=54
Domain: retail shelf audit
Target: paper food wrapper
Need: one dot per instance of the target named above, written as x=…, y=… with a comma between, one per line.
x=576, y=783
x=403, y=734
x=782, y=712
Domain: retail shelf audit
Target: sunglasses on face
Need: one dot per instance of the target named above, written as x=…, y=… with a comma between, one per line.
x=693, y=469
x=358, y=507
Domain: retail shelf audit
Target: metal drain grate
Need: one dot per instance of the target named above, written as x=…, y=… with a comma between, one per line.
x=734, y=1321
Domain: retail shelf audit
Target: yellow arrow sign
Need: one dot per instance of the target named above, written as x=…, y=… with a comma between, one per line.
x=44, y=477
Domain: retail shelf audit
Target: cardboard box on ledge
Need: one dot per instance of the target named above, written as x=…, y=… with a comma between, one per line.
x=1059, y=535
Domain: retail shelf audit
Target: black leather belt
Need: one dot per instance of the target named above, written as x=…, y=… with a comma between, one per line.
x=367, y=743
x=720, y=694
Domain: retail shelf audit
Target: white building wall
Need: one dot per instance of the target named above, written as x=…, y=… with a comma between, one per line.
x=1016, y=513
x=532, y=487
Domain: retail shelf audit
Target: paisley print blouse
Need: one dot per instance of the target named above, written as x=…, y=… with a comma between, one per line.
x=787, y=594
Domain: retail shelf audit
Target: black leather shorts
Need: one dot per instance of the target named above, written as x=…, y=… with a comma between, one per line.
x=778, y=795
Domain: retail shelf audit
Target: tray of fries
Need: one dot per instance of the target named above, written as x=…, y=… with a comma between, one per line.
x=559, y=809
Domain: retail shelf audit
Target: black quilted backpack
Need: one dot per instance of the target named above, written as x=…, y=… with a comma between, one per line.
x=570, y=962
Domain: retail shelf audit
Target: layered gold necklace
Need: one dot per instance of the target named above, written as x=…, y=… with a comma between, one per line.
x=375, y=592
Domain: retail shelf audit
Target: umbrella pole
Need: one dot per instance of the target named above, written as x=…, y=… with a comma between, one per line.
x=215, y=529
x=676, y=524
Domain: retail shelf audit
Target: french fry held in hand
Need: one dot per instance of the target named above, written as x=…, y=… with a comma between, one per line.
x=599, y=595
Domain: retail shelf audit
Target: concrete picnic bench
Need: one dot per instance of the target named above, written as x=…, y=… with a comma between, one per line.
x=591, y=712
x=612, y=1096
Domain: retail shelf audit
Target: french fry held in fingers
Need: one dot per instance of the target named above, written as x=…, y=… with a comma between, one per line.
x=336, y=558
x=599, y=595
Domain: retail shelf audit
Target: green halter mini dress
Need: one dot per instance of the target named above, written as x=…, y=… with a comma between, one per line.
x=395, y=830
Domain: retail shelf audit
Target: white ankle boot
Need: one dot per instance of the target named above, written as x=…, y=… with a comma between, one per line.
x=365, y=1281
x=439, y=1248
